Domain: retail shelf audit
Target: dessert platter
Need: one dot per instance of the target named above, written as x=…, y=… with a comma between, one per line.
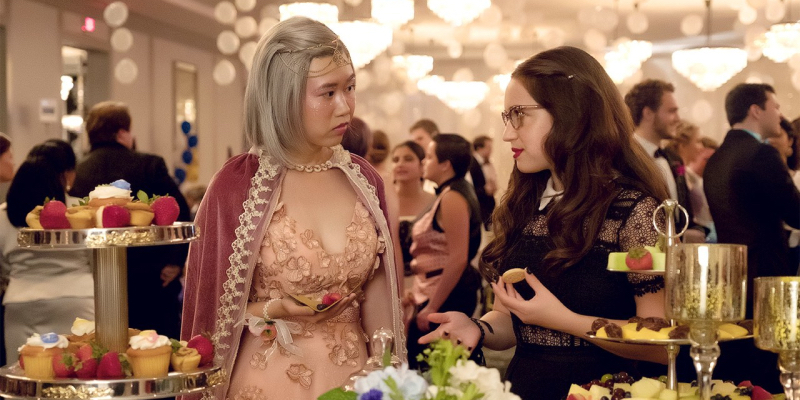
x=106, y=359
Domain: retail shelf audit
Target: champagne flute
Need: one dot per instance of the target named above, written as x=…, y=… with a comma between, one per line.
x=776, y=326
x=706, y=287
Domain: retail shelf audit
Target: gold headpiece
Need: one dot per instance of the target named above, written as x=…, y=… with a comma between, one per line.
x=338, y=59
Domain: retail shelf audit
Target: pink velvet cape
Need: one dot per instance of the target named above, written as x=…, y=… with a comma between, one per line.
x=232, y=220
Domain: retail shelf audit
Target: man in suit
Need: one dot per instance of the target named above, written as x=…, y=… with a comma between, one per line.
x=483, y=150
x=152, y=271
x=655, y=114
x=750, y=195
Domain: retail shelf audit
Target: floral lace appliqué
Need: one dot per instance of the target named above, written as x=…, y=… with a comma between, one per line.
x=249, y=393
x=300, y=374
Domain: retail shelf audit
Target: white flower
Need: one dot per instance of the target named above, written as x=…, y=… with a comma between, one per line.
x=411, y=385
x=464, y=372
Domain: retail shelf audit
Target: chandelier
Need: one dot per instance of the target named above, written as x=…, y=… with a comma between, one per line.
x=364, y=39
x=458, y=12
x=430, y=84
x=416, y=67
x=781, y=42
x=393, y=12
x=462, y=96
x=626, y=58
x=325, y=13
x=709, y=67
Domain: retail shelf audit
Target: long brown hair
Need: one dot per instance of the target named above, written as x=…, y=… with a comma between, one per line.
x=592, y=151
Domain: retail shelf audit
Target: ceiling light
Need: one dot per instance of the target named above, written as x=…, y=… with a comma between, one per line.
x=458, y=12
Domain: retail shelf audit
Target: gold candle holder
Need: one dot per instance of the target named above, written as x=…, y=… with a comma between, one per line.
x=776, y=326
x=706, y=287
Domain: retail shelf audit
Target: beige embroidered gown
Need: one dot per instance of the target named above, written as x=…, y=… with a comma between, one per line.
x=292, y=261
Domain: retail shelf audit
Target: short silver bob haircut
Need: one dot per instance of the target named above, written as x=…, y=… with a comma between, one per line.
x=273, y=100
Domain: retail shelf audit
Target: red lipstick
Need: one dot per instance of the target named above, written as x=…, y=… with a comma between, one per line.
x=517, y=152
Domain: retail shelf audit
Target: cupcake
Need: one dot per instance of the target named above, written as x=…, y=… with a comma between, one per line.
x=82, y=332
x=141, y=213
x=149, y=354
x=117, y=193
x=80, y=217
x=38, y=352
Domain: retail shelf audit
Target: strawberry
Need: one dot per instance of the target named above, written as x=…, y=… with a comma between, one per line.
x=203, y=346
x=86, y=369
x=639, y=259
x=760, y=394
x=54, y=215
x=576, y=396
x=21, y=362
x=110, y=366
x=64, y=365
x=84, y=352
x=166, y=210
x=330, y=298
x=113, y=217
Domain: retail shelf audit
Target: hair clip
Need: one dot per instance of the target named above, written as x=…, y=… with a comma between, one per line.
x=338, y=58
x=570, y=76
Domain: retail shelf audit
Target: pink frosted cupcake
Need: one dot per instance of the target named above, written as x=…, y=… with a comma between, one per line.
x=149, y=354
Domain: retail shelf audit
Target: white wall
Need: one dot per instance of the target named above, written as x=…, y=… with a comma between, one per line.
x=33, y=72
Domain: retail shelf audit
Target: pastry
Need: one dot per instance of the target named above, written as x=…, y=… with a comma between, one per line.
x=38, y=352
x=149, y=354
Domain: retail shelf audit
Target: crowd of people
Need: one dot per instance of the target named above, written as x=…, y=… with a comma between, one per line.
x=322, y=205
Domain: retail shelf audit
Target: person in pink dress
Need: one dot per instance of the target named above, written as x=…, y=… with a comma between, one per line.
x=295, y=216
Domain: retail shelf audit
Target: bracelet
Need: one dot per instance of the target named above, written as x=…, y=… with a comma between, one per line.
x=483, y=333
x=488, y=326
x=266, y=308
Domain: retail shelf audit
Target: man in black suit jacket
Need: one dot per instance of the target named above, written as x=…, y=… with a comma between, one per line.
x=153, y=286
x=750, y=195
x=655, y=114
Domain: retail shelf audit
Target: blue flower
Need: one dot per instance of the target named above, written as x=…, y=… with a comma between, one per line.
x=122, y=184
x=373, y=394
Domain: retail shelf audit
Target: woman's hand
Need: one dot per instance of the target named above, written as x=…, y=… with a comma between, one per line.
x=454, y=326
x=292, y=309
x=422, y=318
x=544, y=309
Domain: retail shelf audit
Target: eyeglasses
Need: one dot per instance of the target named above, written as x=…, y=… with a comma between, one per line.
x=514, y=115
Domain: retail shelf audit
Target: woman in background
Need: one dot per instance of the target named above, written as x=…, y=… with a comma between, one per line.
x=47, y=290
x=445, y=240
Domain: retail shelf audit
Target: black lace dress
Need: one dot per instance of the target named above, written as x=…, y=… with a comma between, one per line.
x=546, y=361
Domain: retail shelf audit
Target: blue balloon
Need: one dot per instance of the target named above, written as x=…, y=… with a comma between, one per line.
x=187, y=157
x=186, y=127
x=192, y=141
x=180, y=175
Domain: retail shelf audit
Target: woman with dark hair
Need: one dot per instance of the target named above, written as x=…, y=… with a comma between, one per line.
x=445, y=239
x=413, y=200
x=580, y=190
x=46, y=290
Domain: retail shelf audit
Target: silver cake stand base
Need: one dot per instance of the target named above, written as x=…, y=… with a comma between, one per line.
x=14, y=385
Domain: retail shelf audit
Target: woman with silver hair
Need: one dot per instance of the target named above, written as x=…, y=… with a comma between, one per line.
x=296, y=219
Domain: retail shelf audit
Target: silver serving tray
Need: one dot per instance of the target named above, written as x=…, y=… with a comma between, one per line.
x=14, y=385
x=179, y=232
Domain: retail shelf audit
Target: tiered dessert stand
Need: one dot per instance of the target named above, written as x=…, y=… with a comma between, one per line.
x=110, y=268
x=672, y=345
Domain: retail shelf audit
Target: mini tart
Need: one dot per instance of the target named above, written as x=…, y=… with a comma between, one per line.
x=185, y=360
x=77, y=341
x=32, y=219
x=39, y=361
x=149, y=363
x=80, y=217
x=111, y=201
x=141, y=213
